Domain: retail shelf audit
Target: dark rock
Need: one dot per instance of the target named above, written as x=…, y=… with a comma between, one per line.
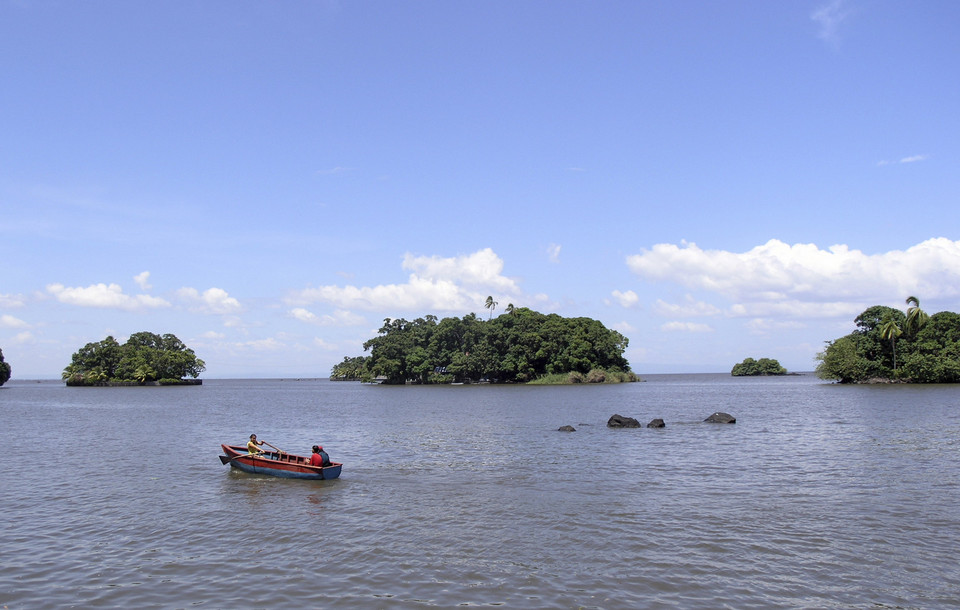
x=721, y=418
x=656, y=423
x=619, y=421
x=566, y=429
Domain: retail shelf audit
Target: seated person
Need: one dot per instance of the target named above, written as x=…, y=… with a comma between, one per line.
x=319, y=457
x=252, y=445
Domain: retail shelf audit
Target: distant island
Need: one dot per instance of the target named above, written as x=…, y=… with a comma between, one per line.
x=519, y=346
x=892, y=346
x=145, y=359
x=764, y=366
x=4, y=370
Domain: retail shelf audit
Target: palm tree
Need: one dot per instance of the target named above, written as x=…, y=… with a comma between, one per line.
x=510, y=309
x=916, y=317
x=890, y=330
x=491, y=305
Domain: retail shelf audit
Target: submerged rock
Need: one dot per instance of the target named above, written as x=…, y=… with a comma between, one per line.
x=656, y=423
x=620, y=421
x=721, y=418
x=566, y=429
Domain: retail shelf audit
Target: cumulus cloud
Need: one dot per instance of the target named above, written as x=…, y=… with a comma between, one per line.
x=340, y=317
x=8, y=321
x=689, y=309
x=626, y=299
x=108, y=296
x=774, y=274
x=211, y=300
x=687, y=327
x=12, y=300
x=436, y=283
x=143, y=280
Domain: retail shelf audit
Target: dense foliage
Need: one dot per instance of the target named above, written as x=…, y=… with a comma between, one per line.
x=763, y=366
x=145, y=357
x=4, y=370
x=351, y=369
x=518, y=346
x=891, y=344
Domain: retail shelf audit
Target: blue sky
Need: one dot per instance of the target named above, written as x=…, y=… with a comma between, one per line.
x=270, y=180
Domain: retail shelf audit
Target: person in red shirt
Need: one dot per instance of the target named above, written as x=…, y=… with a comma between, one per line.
x=319, y=457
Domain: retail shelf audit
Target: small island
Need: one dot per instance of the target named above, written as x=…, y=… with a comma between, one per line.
x=519, y=346
x=755, y=368
x=892, y=346
x=145, y=359
x=4, y=370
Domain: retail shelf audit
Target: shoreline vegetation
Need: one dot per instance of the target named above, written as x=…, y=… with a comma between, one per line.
x=758, y=368
x=146, y=359
x=892, y=346
x=519, y=346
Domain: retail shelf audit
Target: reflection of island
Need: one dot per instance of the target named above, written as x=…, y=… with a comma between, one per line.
x=145, y=359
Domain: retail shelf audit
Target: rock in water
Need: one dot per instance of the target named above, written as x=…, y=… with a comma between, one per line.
x=619, y=421
x=721, y=418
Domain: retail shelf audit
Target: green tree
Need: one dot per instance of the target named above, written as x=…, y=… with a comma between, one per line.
x=518, y=347
x=763, y=366
x=841, y=360
x=145, y=357
x=491, y=305
x=916, y=317
x=4, y=370
x=890, y=330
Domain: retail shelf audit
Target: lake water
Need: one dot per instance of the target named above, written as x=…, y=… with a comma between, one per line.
x=819, y=496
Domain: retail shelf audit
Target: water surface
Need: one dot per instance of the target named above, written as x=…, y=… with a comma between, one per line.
x=819, y=496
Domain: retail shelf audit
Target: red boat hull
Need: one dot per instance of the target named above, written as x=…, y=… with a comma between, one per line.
x=276, y=464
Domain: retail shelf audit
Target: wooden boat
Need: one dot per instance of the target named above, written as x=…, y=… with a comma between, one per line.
x=278, y=464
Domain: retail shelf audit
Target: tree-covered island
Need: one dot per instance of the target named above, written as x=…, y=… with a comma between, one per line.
x=518, y=346
x=890, y=345
x=764, y=366
x=4, y=370
x=145, y=359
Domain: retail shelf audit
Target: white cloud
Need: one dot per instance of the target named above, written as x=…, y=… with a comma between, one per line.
x=106, y=296
x=766, y=325
x=212, y=300
x=688, y=327
x=12, y=300
x=829, y=17
x=340, y=317
x=626, y=299
x=912, y=159
x=692, y=308
x=335, y=170
x=624, y=327
x=445, y=284
x=324, y=345
x=804, y=276
x=8, y=321
x=553, y=253
x=142, y=280
x=264, y=345
x=210, y=334
x=23, y=338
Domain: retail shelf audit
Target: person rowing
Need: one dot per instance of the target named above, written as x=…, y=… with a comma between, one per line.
x=253, y=446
